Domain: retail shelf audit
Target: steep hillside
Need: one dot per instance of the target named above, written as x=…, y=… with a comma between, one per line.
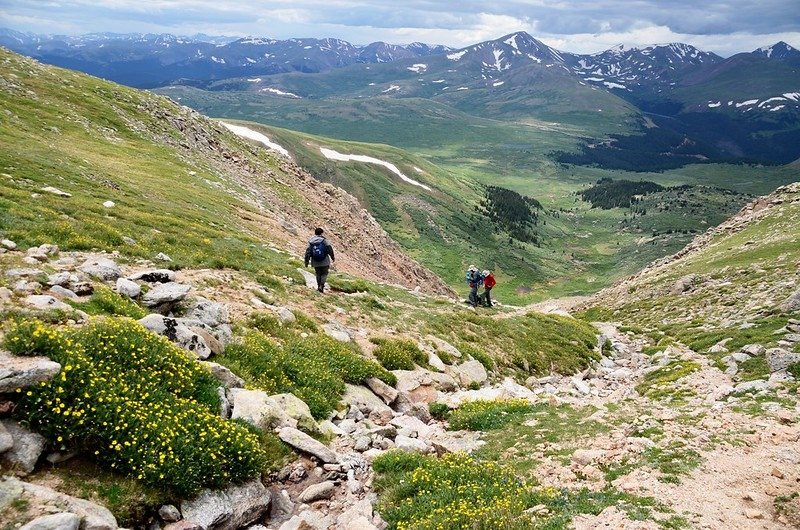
x=179, y=183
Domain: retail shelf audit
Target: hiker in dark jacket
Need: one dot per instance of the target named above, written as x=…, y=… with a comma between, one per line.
x=474, y=280
x=320, y=254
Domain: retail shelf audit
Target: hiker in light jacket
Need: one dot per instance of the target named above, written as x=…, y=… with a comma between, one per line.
x=488, y=283
x=320, y=255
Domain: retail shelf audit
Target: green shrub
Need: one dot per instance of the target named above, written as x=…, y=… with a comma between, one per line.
x=445, y=357
x=105, y=301
x=480, y=356
x=140, y=404
x=454, y=492
x=314, y=369
x=269, y=324
x=794, y=369
x=660, y=381
x=399, y=354
x=488, y=415
x=440, y=411
x=349, y=286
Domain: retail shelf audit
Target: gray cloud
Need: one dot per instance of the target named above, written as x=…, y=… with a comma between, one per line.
x=573, y=25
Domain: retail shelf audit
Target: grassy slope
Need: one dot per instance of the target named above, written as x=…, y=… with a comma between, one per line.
x=740, y=277
x=92, y=139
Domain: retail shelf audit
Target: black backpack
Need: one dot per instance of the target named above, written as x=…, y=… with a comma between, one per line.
x=319, y=250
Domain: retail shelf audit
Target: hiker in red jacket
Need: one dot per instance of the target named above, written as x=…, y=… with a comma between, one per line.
x=488, y=283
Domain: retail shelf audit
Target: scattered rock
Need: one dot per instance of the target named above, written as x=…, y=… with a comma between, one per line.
x=55, y=191
x=45, y=302
x=368, y=403
x=323, y=490
x=779, y=359
x=753, y=514
x=683, y=285
x=101, y=268
x=757, y=385
x=470, y=372
x=457, y=442
x=387, y=393
x=23, y=273
x=224, y=375
x=284, y=315
x=212, y=314
x=165, y=293
x=62, y=292
x=404, y=443
x=177, y=333
x=93, y=516
x=584, y=457
x=754, y=349
x=209, y=509
x=258, y=409
x=297, y=409
x=169, y=513
x=282, y=506
x=303, y=442
x=337, y=331
x=211, y=341
x=6, y=440
x=57, y=521
x=792, y=303
x=128, y=288
x=249, y=502
x=26, y=449
x=8, y=244
x=23, y=372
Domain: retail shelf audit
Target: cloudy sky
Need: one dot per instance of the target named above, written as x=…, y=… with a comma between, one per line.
x=584, y=26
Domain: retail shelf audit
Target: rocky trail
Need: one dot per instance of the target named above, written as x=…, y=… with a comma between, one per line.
x=669, y=425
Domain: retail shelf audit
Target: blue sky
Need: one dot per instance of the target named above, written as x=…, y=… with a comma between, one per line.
x=724, y=27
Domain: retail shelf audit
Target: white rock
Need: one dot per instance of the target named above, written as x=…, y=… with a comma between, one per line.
x=210, y=313
x=165, y=293
x=470, y=372
x=436, y=362
x=387, y=393
x=25, y=451
x=421, y=430
x=55, y=191
x=57, y=521
x=128, y=288
x=45, y=302
x=337, y=331
x=224, y=375
x=23, y=372
x=63, y=292
x=163, y=257
x=303, y=442
x=258, y=409
x=101, y=268
x=8, y=244
x=296, y=409
x=368, y=403
x=59, y=278
x=209, y=509
x=457, y=442
x=109, y=204
x=411, y=444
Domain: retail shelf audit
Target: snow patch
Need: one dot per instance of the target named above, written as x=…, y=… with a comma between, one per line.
x=595, y=79
x=794, y=96
x=456, y=56
x=714, y=105
x=280, y=93
x=255, y=80
x=462, y=88
x=439, y=81
x=217, y=60
x=417, y=68
x=330, y=154
x=779, y=107
x=498, y=83
x=245, y=132
x=746, y=103
x=392, y=88
x=614, y=85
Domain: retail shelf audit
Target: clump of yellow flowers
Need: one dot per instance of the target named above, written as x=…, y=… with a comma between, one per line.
x=137, y=402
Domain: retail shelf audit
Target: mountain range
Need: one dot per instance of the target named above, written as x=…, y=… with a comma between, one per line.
x=648, y=108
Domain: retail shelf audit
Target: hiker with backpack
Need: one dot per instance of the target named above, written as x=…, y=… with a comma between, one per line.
x=320, y=255
x=474, y=279
x=488, y=283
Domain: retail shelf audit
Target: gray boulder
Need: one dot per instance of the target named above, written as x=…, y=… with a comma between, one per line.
x=23, y=273
x=63, y=292
x=470, y=372
x=23, y=372
x=59, y=278
x=128, y=288
x=297, y=409
x=169, y=513
x=323, y=490
x=165, y=293
x=212, y=314
x=57, y=521
x=457, y=442
x=387, y=393
x=683, y=285
x=404, y=443
x=249, y=502
x=209, y=509
x=779, y=359
x=25, y=451
x=224, y=375
x=303, y=442
x=101, y=268
x=792, y=303
x=368, y=403
x=93, y=516
x=6, y=440
x=8, y=244
x=177, y=333
x=258, y=409
x=337, y=331
x=45, y=302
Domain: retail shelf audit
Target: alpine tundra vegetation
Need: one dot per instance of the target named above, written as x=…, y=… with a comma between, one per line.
x=167, y=363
